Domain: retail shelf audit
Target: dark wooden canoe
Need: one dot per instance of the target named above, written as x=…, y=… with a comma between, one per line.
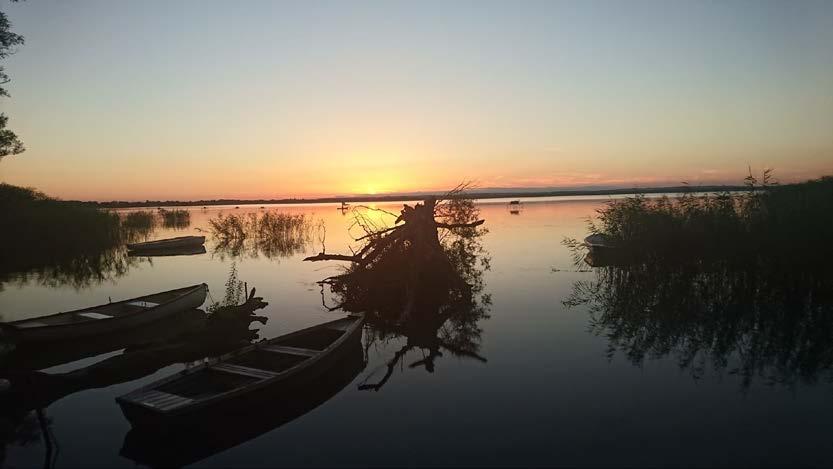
x=179, y=446
x=170, y=243
x=174, y=251
x=599, y=241
x=30, y=356
x=241, y=376
x=107, y=318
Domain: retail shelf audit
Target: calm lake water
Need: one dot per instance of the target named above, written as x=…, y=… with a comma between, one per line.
x=560, y=383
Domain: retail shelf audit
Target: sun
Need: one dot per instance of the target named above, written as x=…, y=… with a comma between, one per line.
x=371, y=190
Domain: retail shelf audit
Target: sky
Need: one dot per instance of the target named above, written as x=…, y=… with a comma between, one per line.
x=196, y=99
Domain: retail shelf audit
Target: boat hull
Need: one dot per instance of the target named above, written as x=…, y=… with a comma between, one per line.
x=179, y=446
x=193, y=299
x=173, y=243
x=172, y=251
x=140, y=416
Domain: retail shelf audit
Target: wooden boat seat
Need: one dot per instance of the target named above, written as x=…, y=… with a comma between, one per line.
x=290, y=350
x=95, y=315
x=143, y=304
x=244, y=370
x=162, y=400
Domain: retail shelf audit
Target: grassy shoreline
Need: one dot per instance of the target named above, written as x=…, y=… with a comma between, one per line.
x=39, y=231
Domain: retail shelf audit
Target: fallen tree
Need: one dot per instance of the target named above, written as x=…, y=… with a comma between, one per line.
x=405, y=266
x=420, y=279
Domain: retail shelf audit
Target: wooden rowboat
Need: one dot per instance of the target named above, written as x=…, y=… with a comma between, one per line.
x=170, y=243
x=599, y=241
x=241, y=376
x=180, y=446
x=107, y=318
x=30, y=356
x=163, y=252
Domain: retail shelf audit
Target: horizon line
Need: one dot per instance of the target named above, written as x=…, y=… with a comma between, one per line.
x=482, y=193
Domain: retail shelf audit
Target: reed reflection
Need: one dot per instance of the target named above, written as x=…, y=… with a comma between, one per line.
x=768, y=321
x=273, y=235
x=78, y=261
x=80, y=271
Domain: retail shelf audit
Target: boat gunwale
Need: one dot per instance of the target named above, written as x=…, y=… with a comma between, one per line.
x=129, y=398
x=14, y=325
x=156, y=243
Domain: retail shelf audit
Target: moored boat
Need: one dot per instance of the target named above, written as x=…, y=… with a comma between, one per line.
x=30, y=356
x=106, y=318
x=180, y=446
x=171, y=251
x=241, y=376
x=599, y=241
x=169, y=243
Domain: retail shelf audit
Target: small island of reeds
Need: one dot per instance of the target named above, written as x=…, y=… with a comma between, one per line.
x=793, y=223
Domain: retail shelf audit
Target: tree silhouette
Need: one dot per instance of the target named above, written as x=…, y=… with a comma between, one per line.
x=9, y=143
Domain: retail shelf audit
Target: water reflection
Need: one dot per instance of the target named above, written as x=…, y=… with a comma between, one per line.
x=201, y=335
x=177, y=219
x=417, y=284
x=188, y=337
x=766, y=321
x=273, y=235
x=82, y=271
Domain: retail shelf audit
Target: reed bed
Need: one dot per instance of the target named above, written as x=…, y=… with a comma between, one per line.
x=274, y=234
x=139, y=220
x=767, y=220
x=177, y=218
x=39, y=229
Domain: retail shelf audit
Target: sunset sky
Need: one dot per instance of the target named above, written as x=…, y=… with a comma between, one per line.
x=207, y=99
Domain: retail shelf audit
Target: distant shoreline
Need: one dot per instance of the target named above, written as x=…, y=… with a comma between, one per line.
x=412, y=197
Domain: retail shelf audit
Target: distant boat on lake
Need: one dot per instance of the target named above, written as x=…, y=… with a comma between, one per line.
x=211, y=389
x=169, y=243
x=107, y=318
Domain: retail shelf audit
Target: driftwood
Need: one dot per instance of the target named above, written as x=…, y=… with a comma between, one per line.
x=415, y=225
x=407, y=261
x=420, y=279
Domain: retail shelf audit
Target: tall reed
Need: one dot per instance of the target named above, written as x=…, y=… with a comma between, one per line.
x=176, y=218
x=766, y=220
x=274, y=234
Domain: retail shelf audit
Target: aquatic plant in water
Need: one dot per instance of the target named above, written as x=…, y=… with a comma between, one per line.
x=272, y=234
x=767, y=220
x=176, y=218
x=717, y=279
x=139, y=222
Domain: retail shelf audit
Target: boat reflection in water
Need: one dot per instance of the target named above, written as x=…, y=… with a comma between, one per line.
x=202, y=336
x=181, y=445
x=187, y=337
x=35, y=356
x=767, y=320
